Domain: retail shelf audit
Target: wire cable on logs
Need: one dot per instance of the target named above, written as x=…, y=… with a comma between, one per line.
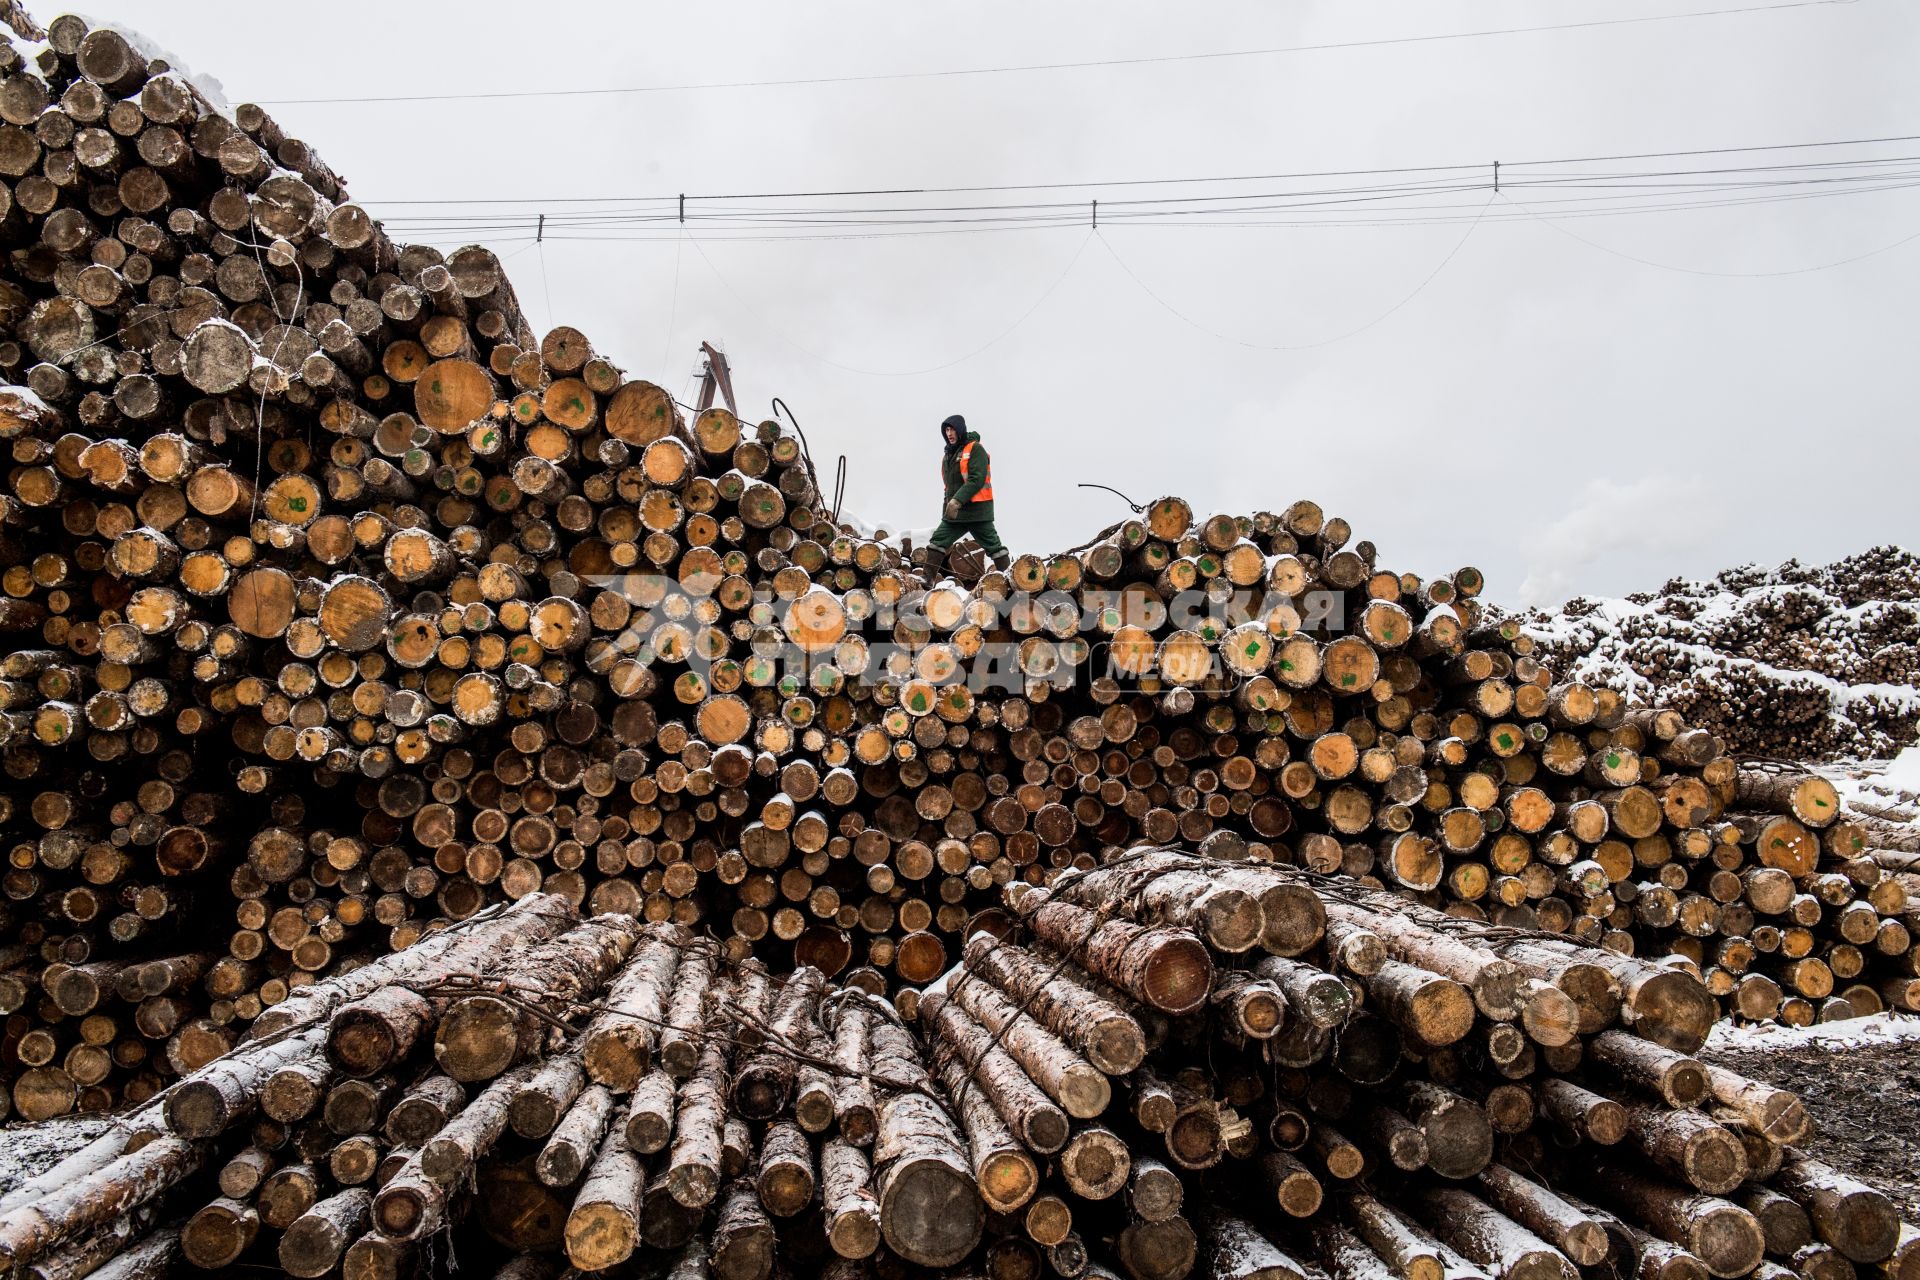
x=260, y=407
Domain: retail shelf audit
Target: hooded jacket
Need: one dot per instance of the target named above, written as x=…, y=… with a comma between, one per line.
x=962, y=488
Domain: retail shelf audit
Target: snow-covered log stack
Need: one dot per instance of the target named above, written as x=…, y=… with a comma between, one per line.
x=340, y=605
x=1799, y=662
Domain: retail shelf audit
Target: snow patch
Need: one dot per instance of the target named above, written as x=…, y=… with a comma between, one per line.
x=1903, y=773
x=1887, y=789
x=24, y=397
x=1849, y=1033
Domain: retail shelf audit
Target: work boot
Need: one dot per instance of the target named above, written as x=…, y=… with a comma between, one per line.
x=1001, y=560
x=935, y=563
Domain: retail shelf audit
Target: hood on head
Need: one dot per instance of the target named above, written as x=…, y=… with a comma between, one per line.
x=958, y=423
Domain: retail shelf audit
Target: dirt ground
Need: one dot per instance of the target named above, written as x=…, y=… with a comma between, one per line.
x=1864, y=1098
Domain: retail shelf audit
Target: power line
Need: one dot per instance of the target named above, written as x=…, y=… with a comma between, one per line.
x=1705, y=182
x=707, y=208
x=1483, y=213
x=1480, y=166
x=1562, y=187
x=1278, y=216
x=724, y=236
x=1087, y=64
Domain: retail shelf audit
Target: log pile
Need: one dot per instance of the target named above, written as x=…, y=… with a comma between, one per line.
x=344, y=611
x=1221, y=1069
x=1367, y=1090
x=1799, y=661
x=340, y=605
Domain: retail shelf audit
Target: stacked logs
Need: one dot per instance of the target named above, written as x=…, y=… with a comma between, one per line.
x=1237, y=1070
x=1221, y=1069
x=1798, y=661
x=587, y=1089
x=340, y=605
x=296, y=516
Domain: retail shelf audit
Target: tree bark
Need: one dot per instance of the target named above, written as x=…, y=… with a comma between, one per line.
x=424, y=1110
x=546, y=1096
x=1678, y=1080
x=785, y=1179
x=1078, y=1086
x=1688, y=1146
x=1852, y=1217
x=318, y=1239
x=930, y=1208
x=1007, y=1176
x=1483, y=1235
x=1028, y=1111
x=650, y=1111
x=1722, y=1235
x=1578, y=1235
x=743, y=1241
x=95, y=1199
x=1409, y=1251
x=764, y=1085
x=853, y=1108
x=481, y=1036
x=679, y=1043
x=693, y=1168
x=603, y=1227
x=576, y=1137
x=1104, y=1032
x=1165, y=968
x=852, y=1213
x=618, y=1045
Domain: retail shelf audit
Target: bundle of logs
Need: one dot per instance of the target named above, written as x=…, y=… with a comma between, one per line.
x=339, y=605
x=1170, y=1066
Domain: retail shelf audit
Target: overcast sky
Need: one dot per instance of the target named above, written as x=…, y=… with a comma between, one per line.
x=1562, y=417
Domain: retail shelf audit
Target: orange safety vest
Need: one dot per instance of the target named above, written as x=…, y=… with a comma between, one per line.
x=986, y=488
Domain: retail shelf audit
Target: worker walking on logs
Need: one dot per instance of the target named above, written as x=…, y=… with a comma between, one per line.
x=967, y=474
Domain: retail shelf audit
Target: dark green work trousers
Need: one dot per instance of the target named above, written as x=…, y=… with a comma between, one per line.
x=951, y=531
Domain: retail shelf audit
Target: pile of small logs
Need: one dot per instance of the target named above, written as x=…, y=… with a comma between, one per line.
x=1800, y=661
x=1170, y=1066
x=340, y=605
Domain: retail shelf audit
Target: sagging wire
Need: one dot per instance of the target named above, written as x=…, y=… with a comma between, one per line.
x=1111, y=529
x=1138, y=507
